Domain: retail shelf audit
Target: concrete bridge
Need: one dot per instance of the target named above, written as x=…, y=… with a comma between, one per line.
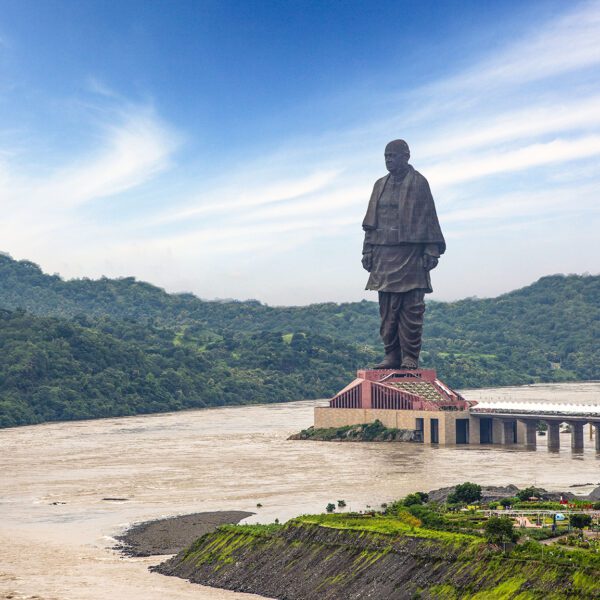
x=509, y=426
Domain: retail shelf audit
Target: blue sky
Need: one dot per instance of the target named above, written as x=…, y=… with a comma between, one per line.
x=229, y=148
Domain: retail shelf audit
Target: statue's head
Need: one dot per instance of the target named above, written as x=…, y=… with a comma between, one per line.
x=396, y=155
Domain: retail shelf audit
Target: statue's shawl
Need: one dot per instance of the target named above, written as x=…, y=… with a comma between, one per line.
x=417, y=219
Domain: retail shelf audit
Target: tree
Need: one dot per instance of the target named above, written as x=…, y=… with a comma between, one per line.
x=579, y=521
x=330, y=507
x=529, y=492
x=424, y=496
x=413, y=499
x=499, y=530
x=466, y=492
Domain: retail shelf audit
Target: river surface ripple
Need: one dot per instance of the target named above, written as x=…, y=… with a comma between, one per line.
x=56, y=527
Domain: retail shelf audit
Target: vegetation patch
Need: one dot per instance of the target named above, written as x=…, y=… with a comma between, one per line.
x=366, y=432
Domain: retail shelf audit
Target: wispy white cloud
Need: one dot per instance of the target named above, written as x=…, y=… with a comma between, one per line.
x=565, y=44
x=534, y=120
x=567, y=200
x=97, y=86
x=517, y=159
x=129, y=154
x=246, y=193
x=130, y=150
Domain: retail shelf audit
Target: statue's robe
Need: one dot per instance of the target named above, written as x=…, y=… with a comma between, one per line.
x=401, y=225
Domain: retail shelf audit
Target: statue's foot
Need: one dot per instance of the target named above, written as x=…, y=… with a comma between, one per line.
x=392, y=360
x=409, y=363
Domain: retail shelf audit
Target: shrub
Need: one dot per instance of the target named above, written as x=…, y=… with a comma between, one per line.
x=580, y=521
x=428, y=517
x=542, y=534
x=528, y=492
x=412, y=499
x=330, y=507
x=466, y=492
x=499, y=530
x=424, y=496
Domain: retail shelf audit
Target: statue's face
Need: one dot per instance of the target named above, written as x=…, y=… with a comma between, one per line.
x=395, y=160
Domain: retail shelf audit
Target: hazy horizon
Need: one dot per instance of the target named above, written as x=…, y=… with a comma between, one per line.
x=237, y=299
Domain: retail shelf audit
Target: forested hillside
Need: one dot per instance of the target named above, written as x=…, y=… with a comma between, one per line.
x=84, y=348
x=24, y=285
x=54, y=369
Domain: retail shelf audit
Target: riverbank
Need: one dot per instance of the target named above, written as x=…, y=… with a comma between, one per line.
x=452, y=548
x=170, y=535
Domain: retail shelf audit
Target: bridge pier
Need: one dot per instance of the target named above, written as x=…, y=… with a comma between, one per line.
x=553, y=435
x=530, y=432
x=576, y=435
x=597, y=435
x=508, y=432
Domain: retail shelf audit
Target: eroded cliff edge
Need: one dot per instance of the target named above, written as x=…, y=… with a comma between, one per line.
x=305, y=560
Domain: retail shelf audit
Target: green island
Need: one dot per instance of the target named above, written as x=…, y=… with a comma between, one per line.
x=85, y=348
x=364, y=432
x=465, y=546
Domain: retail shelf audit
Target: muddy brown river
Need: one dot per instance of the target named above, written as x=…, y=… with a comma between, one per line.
x=67, y=488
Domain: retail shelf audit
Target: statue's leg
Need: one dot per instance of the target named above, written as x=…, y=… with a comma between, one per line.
x=389, y=308
x=410, y=327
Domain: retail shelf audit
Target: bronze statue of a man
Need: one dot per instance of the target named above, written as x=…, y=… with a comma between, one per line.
x=403, y=242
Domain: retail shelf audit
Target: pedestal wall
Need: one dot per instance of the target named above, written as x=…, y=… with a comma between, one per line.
x=326, y=417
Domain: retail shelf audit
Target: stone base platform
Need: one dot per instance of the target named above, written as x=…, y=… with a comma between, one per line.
x=402, y=399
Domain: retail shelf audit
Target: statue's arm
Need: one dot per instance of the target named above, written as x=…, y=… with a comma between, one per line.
x=367, y=255
x=431, y=256
x=370, y=223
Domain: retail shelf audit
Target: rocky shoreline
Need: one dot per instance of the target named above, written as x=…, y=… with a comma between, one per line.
x=364, y=432
x=171, y=535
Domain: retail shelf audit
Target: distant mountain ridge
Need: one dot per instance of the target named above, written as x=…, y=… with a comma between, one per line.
x=24, y=285
x=192, y=352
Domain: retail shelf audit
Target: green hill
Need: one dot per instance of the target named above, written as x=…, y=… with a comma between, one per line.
x=24, y=285
x=85, y=348
x=53, y=369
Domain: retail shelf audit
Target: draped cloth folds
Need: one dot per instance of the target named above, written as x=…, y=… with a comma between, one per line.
x=417, y=221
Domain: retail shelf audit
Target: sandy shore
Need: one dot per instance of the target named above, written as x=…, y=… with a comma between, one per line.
x=169, y=536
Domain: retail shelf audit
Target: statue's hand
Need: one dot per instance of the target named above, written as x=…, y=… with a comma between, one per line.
x=429, y=262
x=367, y=261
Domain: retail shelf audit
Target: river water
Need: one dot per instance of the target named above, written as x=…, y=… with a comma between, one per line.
x=56, y=526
